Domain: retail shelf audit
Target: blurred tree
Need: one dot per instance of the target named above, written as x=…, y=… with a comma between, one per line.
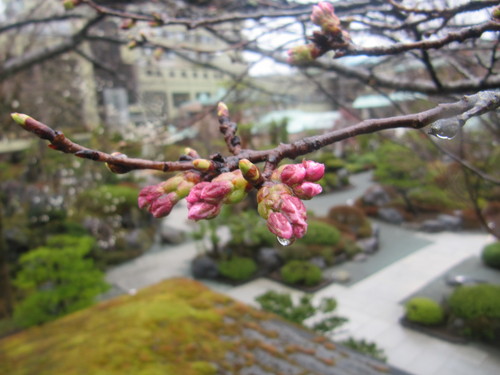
x=57, y=279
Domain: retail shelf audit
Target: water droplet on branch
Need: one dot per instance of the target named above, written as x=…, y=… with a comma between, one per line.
x=285, y=241
x=445, y=129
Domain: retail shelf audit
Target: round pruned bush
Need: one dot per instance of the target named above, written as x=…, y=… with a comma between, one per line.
x=352, y=220
x=491, y=255
x=424, y=311
x=479, y=308
x=301, y=272
x=320, y=233
x=238, y=268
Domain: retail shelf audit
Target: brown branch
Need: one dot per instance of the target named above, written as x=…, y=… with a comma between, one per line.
x=476, y=104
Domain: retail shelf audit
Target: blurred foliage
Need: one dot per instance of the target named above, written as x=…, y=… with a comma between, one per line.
x=237, y=268
x=57, y=279
x=478, y=307
x=300, y=272
x=365, y=347
x=424, y=311
x=490, y=255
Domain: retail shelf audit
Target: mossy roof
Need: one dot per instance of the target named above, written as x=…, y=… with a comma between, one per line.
x=178, y=326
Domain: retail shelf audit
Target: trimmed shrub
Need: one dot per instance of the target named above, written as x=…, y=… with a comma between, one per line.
x=300, y=272
x=479, y=307
x=491, y=255
x=238, y=268
x=424, y=311
x=352, y=220
x=319, y=233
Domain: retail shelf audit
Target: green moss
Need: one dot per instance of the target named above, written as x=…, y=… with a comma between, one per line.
x=164, y=329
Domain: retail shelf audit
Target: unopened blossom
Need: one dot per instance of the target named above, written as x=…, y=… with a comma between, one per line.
x=159, y=199
x=285, y=214
x=314, y=171
x=303, y=54
x=307, y=190
x=206, y=198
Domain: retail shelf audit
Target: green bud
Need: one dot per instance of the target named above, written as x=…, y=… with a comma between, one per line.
x=222, y=110
x=20, y=118
x=202, y=164
x=236, y=196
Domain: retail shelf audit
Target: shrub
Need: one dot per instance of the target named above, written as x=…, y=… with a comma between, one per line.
x=479, y=307
x=365, y=347
x=424, y=311
x=319, y=233
x=491, y=255
x=300, y=272
x=237, y=268
x=352, y=220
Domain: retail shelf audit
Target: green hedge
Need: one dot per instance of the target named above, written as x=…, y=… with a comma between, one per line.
x=301, y=272
x=491, y=255
x=238, y=268
x=479, y=307
x=424, y=311
x=319, y=233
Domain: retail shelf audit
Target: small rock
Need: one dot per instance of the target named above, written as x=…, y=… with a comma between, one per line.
x=390, y=215
x=361, y=257
x=318, y=261
x=269, y=259
x=376, y=195
x=341, y=276
x=432, y=226
x=368, y=245
x=204, y=267
x=451, y=222
x=171, y=235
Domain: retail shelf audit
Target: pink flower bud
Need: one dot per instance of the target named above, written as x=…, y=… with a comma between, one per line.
x=278, y=224
x=299, y=230
x=321, y=13
x=293, y=208
x=307, y=190
x=215, y=192
x=162, y=206
x=194, y=195
x=293, y=174
x=148, y=195
x=314, y=171
x=203, y=210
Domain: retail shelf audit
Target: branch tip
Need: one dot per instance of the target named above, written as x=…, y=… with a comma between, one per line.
x=20, y=118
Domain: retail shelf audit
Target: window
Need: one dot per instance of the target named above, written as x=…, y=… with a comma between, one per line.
x=179, y=98
x=155, y=103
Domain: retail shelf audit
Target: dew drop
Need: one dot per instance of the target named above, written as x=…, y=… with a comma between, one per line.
x=285, y=241
x=445, y=129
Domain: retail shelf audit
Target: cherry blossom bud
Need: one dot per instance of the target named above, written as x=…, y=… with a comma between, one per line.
x=299, y=229
x=278, y=224
x=70, y=4
x=203, y=164
x=203, y=210
x=163, y=205
x=314, y=171
x=222, y=110
x=307, y=190
x=250, y=171
x=321, y=13
x=216, y=192
x=149, y=194
x=117, y=168
x=303, y=54
x=293, y=174
x=127, y=24
x=194, y=195
x=293, y=208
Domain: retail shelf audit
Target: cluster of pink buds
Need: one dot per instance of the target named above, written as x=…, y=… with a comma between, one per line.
x=159, y=199
x=205, y=200
x=279, y=201
x=324, y=16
